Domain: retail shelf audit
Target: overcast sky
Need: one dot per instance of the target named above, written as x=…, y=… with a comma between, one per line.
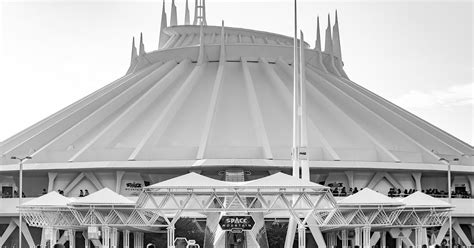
x=415, y=54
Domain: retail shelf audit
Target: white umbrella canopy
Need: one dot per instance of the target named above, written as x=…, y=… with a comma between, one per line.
x=281, y=180
x=104, y=196
x=53, y=199
x=422, y=200
x=368, y=197
x=190, y=180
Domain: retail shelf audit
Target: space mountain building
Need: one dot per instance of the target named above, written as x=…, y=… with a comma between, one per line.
x=211, y=111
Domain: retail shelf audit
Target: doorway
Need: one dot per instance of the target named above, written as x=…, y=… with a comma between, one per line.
x=235, y=240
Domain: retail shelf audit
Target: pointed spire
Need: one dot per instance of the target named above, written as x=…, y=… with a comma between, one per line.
x=142, y=46
x=174, y=17
x=328, y=40
x=186, y=15
x=318, y=37
x=163, y=37
x=201, y=58
x=200, y=12
x=134, y=51
x=222, y=52
x=336, y=40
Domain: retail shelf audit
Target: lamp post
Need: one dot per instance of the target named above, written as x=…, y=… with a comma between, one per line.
x=449, y=200
x=20, y=194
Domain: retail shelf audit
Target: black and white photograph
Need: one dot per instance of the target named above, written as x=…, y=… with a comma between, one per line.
x=236, y=124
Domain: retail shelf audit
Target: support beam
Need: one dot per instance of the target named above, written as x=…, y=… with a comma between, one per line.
x=375, y=102
x=161, y=123
x=375, y=238
x=316, y=232
x=286, y=96
x=383, y=239
x=442, y=233
x=118, y=180
x=126, y=239
x=51, y=179
x=255, y=109
x=461, y=234
x=86, y=239
x=105, y=237
x=211, y=110
x=323, y=92
x=301, y=236
x=8, y=231
x=161, y=77
x=345, y=238
x=92, y=177
x=358, y=237
x=350, y=178
x=417, y=178
x=366, y=237
x=71, y=234
x=74, y=183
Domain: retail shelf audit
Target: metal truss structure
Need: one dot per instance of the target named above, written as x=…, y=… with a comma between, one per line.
x=158, y=208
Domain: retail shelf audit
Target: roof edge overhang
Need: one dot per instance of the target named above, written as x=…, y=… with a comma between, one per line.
x=219, y=163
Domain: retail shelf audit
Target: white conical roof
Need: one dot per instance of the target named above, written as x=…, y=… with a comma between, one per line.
x=368, y=197
x=169, y=108
x=52, y=199
x=420, y=199
x=104, y=196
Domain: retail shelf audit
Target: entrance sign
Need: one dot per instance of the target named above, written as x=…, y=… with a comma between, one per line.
x=232, y=222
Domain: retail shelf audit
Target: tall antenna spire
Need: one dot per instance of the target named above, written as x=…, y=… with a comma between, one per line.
x=222, y=52
x=142, y=46
x=134, y=51
x=328, y=41
x=318, y=37
x=202, y=54
x=174, y=17
x=186, y=14
x=336, y=40
x=200, y=12
x=163, y=37
x=303, y=153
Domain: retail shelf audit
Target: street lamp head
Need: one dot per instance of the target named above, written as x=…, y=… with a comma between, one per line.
x=444, y=160
x=28, y=157
x=13, y=157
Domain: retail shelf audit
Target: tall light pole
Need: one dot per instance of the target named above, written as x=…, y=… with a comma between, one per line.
x=20, y=194
x=449, y=200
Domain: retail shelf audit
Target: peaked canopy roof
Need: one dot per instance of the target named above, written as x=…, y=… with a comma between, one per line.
x=51, y=199
x=104, y=196
x=420, y=200
x=281, y=180
x=368, y=197
x=191, y=180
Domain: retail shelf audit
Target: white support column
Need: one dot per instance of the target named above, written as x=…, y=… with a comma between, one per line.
x=51, y=179
x=52, y=236
x=170, y=235
x=418, y=237
x=357, y=237
x=114, y=238
x=332, y=239
x=398, y=243
x=126, y=239
x=366, y=237
x=344, y=239
x=301, y=236
x=86, y=239
x=383, y=239
x=137, y=240
x=417, y=178
x=71, y=236
x=105, y=237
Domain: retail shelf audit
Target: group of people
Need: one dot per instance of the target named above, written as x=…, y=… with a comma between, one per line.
x=392, y=192
x=83, y=193
x=341, y=191
x=15, y=194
